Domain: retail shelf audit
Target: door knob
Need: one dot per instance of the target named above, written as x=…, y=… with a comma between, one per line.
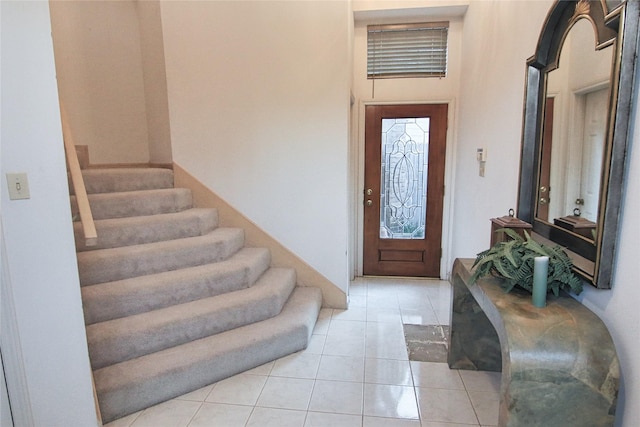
x=369, y=202
x=369, y=191
x=543, y=201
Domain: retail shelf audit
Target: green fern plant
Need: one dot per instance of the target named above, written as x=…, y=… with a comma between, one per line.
x=513, y=261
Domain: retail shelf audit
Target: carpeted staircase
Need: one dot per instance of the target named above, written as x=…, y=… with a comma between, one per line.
x=172, y=301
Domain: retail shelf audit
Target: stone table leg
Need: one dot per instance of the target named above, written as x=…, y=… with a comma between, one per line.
x=473, y=341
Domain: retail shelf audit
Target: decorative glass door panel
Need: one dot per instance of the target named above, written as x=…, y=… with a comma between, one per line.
x=403, y=199
x=404, y=187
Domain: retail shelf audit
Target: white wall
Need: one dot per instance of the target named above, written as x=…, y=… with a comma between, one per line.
x=155, y=80
x=40, y=268
x=618, y=307
x=259, y=108
x=498, y=38
x=406, y=90
x=100, y=74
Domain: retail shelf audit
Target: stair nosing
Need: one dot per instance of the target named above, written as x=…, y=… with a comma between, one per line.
x=203, y=221
x=91, y=262
x=284, y=334
x=244, y=259
x=261, y=301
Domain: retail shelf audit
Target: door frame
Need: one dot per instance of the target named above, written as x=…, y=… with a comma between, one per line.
x=358, y=192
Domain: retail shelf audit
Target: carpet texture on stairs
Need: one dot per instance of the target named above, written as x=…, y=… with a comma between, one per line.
x=172, y=301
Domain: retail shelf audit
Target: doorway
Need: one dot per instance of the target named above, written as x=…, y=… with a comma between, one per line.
x=544, y=186
x=405, y=148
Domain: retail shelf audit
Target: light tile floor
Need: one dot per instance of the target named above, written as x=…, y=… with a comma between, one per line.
x=355, y=373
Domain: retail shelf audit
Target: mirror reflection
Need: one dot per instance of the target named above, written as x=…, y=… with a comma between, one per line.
x=574, y=133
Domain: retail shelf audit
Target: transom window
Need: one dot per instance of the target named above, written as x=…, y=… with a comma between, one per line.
x=407, y=50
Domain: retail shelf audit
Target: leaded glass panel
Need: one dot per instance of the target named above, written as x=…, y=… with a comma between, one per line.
x=403, y=195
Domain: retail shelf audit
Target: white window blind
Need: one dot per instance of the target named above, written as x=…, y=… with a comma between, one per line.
x=407, y=50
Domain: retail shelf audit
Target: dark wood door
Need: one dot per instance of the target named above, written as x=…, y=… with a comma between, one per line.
x=404, y=189
x=544, y=187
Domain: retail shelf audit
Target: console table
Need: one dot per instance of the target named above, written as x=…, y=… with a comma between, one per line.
x=559, y=365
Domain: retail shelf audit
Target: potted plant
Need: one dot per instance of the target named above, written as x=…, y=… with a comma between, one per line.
x=513, y=261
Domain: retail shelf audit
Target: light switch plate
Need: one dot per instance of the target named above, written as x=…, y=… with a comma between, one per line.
x=18, y=186
x=481, y=154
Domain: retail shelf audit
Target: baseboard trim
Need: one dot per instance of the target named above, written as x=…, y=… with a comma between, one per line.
x=332, y=296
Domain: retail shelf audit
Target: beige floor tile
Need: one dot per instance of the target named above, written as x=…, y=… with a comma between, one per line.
x=422, y=316
x=440, y=424
x=297, y=365
x=173, y=413
x=481, y=380
x=323, y=322
x=272, y=417
x=316, y=344
x=435, y=375
x=357, y=301
x=387, y=347
x=353, y=313
x=388, y=371
x=486, y=404
x=350, y=328
x=382, y=300
x=198, y=395
x=444, y=316
x=344, y=345
x=124, y=421
x=286, y=393
x=337, y=397
x=450, y=406
x=242, y=389
x=218, y=414
x=389, y=422
x=341, y=368
x=415, y=300
x=323, y=419
x=384, y=314
x=358, y=287
x=381, y=330
x=261, y=370
x=390, y=401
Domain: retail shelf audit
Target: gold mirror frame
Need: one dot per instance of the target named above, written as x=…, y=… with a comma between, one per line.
x=614, y=22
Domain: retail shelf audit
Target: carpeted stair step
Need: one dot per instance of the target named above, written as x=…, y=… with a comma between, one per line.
x=136, y=203
x=129, y=337
x=118, y=232
x=138, y=383
x=108, y=265
x=126, y=179
x=112, y=300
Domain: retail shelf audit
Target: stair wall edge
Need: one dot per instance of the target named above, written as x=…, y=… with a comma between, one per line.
x=204, y=197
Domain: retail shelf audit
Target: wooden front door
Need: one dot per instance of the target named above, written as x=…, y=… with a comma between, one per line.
x=404, y=189
x=544, y=186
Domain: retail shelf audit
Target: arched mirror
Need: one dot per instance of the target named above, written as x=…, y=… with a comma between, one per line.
x=576, y=124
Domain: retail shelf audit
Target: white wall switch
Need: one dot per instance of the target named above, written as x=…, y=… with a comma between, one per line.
x=18, y=186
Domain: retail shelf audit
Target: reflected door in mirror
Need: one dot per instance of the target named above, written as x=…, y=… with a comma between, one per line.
x=574, y=131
